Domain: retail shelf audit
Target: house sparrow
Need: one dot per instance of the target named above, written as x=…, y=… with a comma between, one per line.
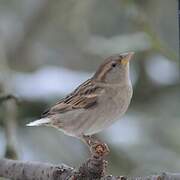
x=96, y=103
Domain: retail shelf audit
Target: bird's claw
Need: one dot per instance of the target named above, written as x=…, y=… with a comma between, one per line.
x=100, y=149
x=97, y=148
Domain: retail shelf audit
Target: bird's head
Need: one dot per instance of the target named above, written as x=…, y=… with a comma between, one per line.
x=115, y=69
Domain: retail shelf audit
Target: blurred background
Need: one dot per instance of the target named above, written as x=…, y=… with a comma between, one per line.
x=48, y=47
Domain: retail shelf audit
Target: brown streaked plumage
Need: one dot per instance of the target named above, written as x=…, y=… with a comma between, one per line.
x=103, y=70
x=84, y=96
x=96, y=103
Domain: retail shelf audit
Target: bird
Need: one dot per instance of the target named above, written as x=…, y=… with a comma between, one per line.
x=95, y=104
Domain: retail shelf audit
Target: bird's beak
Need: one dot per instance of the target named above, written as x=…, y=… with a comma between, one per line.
x=126, y=58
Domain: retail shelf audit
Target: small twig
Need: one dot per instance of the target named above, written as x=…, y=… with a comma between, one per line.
x=139, y=18
x=10, y=124
x=10, y=127
x=9, y=97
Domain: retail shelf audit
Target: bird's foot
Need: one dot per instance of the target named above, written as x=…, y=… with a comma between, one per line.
x=97, y=148
x=100, y=149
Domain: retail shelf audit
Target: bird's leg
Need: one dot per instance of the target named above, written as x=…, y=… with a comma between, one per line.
x=97, y=148
x=95, y=166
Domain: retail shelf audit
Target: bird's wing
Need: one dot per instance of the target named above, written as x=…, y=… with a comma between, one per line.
x=84, y=97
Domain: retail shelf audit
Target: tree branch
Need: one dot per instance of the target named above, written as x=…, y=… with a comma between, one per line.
x=34, y=170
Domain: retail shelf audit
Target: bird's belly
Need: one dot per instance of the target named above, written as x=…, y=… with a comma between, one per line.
x=107, y=115
x=95, y=119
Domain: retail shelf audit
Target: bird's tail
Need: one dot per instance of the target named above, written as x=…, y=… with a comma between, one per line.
x=39, y=122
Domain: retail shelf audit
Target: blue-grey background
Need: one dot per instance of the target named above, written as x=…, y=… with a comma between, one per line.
x=48, y=47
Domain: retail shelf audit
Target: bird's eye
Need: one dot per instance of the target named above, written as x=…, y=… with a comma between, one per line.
x=113, y=64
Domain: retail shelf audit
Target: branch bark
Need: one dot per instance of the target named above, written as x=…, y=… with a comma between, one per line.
x=42, y=171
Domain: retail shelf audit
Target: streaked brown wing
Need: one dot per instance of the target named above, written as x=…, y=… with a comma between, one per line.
x=85, y=96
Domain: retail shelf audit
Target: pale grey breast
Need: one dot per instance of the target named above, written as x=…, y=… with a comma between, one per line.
x=116, y=104
x=95, y=119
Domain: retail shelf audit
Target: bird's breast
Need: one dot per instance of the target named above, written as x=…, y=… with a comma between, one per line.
x=111, y=106
x=117, y=100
